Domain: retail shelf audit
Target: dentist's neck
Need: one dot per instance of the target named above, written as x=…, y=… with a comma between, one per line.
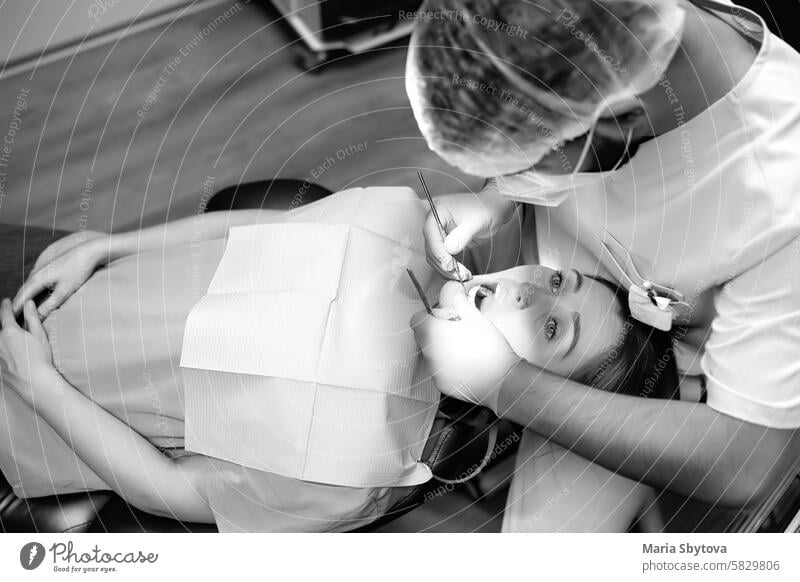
x=711, y=59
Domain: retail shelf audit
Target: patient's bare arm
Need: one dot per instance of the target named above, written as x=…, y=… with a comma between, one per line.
x=205, y=226
x=65, y=266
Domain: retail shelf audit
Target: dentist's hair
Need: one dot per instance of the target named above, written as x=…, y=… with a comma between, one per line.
x=641, y=362
x=519, y=78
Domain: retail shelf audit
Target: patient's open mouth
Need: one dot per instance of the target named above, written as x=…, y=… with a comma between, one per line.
x=483, y=293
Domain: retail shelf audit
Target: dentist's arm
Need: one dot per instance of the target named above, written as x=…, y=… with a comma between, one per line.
x=686, y=448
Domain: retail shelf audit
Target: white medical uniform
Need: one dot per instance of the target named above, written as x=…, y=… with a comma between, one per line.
x=712, y=206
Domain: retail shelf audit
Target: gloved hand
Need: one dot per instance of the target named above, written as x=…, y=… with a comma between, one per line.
x=467, y=219
x=469, y=358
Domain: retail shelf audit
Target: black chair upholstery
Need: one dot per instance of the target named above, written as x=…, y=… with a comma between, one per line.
x=461, y=445
x=63, y=513
x=279, y=194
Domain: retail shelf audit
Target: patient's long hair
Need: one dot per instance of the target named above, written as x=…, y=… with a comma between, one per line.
x=641, y=363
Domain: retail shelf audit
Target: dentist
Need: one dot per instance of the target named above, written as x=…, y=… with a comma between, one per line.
x=654, y=142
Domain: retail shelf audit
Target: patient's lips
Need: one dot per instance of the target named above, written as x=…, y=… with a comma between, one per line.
x=485, y=295
x=504, y=292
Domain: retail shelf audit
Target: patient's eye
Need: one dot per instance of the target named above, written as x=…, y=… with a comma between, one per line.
x=556, y=280
x=550, y=328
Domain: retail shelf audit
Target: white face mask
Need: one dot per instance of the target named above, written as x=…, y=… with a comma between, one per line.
x=534, y=187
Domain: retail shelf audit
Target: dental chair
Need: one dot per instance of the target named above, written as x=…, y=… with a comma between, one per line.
x=460, y=446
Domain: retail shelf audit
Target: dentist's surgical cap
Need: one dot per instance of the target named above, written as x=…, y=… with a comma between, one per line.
x=500, y=78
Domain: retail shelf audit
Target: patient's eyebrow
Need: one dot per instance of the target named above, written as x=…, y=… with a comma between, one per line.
x=578, y=280
x=576, y=327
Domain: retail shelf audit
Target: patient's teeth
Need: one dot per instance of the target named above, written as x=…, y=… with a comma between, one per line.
x=479, y=293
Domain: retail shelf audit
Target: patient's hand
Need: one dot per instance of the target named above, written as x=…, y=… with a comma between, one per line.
x=62, y=268
x=64, y=244
x=24, y=352
x=468, y=358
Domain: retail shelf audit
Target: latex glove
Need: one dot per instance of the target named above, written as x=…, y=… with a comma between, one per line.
x=468, y=220
x=61, y=269
x=469, y=358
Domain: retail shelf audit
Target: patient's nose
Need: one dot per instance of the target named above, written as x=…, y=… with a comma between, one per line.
x=523, y=295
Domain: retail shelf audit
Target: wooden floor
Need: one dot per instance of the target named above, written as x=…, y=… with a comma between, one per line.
x=235, y=108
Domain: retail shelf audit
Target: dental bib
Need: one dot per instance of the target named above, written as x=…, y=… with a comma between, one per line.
x=300, y=361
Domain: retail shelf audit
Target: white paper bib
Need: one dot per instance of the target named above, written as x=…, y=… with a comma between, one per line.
x=300, y=361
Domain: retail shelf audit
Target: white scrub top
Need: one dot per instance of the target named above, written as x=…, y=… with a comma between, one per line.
x=714, y=205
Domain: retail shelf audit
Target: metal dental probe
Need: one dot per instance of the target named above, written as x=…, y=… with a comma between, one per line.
x=420, y=291
x=438, y=221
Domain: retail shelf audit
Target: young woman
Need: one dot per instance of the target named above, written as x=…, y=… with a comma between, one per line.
x=93, y=395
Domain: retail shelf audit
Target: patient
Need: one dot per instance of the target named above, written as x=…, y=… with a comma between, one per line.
x=107, y=389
